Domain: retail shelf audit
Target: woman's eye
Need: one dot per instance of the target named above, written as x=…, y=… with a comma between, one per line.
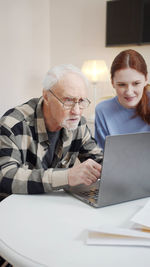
x=121, y=84
x=136, y=83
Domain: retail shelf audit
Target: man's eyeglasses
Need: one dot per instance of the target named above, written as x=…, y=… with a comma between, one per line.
x=70, y=103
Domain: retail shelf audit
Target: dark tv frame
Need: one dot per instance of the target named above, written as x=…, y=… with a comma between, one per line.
x=127, y=22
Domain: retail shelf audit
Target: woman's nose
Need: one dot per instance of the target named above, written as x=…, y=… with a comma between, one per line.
x=129, y=89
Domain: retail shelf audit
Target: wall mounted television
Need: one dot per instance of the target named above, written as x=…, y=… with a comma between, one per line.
x=127, y=22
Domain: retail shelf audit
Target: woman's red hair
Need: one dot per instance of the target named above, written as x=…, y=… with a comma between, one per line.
x=132, y=59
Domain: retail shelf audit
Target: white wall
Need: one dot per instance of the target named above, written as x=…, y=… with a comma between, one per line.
x=37, y=34
x=24, y=50
x=78, y=33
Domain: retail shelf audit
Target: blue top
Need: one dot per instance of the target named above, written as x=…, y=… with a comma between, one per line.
x=111, y=118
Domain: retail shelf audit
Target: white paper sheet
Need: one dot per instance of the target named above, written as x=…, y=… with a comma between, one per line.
x=142, y=217
x=117, y=236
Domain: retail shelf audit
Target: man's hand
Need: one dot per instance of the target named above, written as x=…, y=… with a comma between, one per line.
x=84, y=173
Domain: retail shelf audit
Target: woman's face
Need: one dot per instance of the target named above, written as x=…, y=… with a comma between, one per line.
x=129, y=85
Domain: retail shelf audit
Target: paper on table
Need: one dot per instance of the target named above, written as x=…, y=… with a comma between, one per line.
x=117, y=236
x=143, y=217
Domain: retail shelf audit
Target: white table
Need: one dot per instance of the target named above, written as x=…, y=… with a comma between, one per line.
x=50, y=230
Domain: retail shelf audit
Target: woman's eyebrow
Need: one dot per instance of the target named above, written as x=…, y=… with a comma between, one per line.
x=120, y=82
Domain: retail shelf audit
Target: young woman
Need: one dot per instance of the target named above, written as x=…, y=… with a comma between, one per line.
x=129, y=111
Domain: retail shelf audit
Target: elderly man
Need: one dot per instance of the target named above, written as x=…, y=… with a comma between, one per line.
x=41, y=139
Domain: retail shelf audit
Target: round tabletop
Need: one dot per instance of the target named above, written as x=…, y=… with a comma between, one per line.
x=51, y=230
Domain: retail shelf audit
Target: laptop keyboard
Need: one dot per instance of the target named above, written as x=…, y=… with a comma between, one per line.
x=92, y=193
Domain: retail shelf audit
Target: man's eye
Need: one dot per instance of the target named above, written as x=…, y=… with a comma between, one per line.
x=81, y=100
x=68, y=99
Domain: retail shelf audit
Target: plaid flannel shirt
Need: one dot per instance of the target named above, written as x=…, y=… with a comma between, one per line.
x=24, y=143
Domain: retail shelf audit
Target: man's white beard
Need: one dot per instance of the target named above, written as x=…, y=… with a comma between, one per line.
x=70, y=125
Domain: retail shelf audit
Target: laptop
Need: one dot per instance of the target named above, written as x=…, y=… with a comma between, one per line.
x=125, y=172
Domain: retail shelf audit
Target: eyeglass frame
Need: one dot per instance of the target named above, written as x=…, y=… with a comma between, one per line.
x=75, y=102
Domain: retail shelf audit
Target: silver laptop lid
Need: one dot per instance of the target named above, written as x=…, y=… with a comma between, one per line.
x=126, y=169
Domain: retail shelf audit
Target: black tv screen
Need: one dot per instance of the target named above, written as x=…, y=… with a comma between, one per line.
x=127, y=22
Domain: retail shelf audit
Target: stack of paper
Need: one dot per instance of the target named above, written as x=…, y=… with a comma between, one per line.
x=117, y=236
x=142, y=218
x=139, y=235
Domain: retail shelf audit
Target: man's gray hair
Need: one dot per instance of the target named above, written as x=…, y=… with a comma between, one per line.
x=56, y=73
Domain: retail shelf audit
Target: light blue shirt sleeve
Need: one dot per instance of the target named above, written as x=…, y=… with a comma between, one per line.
x=101, y=130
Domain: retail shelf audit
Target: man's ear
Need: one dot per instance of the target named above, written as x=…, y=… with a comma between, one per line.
x=45, y=96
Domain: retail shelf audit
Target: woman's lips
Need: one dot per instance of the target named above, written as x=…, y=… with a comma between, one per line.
x=130, y=98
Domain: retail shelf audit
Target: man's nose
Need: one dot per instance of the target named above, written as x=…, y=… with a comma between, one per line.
x=75, y=108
